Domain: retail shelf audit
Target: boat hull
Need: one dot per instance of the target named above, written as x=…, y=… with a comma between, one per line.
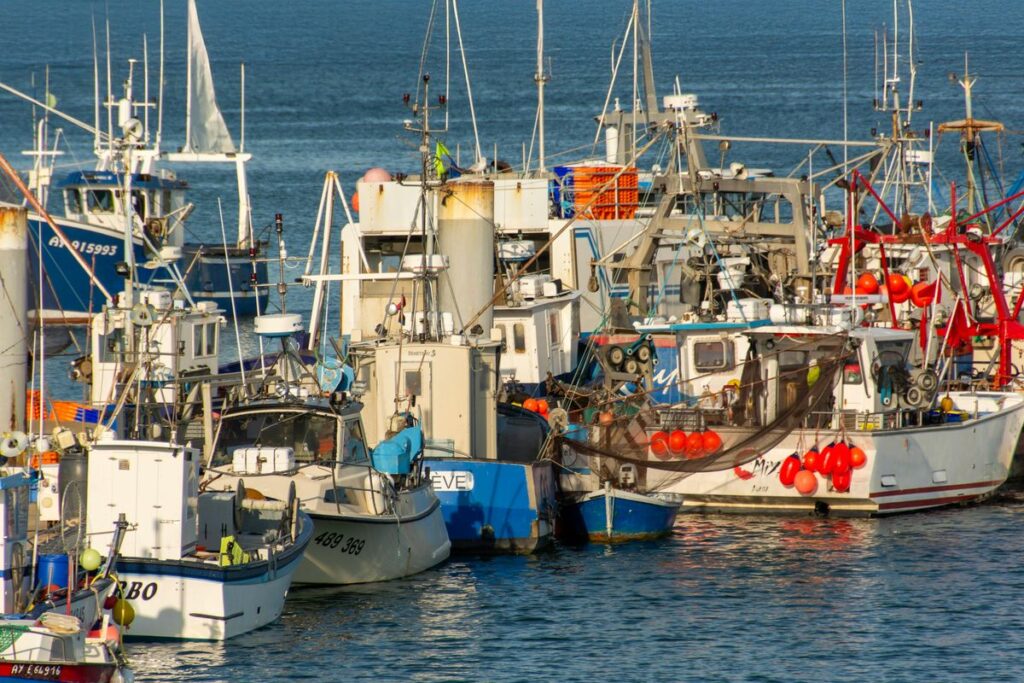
x=633, y=516
x=190, y=600
x=220, y=275
x=348, y=549
x=906, y=470
x=64, y=672
x=495, y=506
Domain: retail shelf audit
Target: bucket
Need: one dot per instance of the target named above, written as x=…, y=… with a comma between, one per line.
x=52, y=570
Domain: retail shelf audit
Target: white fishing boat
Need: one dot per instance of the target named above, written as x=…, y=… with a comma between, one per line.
x=881, y=441
x=374, y=513
x=195, y=565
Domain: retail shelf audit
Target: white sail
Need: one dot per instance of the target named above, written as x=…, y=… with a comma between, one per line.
x=206, y=130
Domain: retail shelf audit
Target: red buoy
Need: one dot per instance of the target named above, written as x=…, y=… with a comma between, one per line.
x=857, y=457
x=827, y=462
x=805, y=481
x=677, y=441
x=605, y=418
x=712, y=442
x=840, y=459
x=695, y=445
x=531, y=405
x=790, y=467
x=899, y=287
x=811, y=460
x=841, y=481
x=542, y=407
x=867, y=283
x=659, y=444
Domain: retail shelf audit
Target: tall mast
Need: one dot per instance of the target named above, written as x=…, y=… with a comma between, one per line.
x=540, y=78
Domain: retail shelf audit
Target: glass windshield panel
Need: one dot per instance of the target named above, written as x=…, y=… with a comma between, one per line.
x=101, y=201
x=312, y=435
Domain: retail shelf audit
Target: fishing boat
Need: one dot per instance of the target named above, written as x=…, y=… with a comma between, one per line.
x=375, y=516
x=614, y=515
x=83, y=247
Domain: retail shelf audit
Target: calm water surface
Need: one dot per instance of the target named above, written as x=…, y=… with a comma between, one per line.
x=930, y=597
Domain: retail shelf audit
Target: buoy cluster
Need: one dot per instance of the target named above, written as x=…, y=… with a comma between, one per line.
x=679, y=444
x=836, y=461
x=898, y=288
x=537, y=405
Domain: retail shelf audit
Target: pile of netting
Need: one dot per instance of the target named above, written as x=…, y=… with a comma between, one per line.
x=731, y=428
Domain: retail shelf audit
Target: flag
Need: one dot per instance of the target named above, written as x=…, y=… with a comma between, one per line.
x=439, y=151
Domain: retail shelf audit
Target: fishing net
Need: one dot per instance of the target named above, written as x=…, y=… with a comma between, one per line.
x=802, y=396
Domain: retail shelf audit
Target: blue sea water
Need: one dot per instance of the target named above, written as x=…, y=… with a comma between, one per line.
x=929, y=597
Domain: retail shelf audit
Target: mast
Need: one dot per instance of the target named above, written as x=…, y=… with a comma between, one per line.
x=540, y=78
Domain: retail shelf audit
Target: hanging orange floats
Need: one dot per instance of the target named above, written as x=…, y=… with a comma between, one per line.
x=836, y=461
x=659, y=445
x=677, y=442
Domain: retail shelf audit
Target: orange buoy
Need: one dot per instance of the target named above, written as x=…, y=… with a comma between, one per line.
x=355, y=201
x=605, y=418
x=922, y=294
x=898, y=286
x=857, y=457
x=531, y=405
x=677, y=441
x=805, y=481
x=812, y=458
x=712, y=442
x=542, y=407
x=659, y=444
x=840, y=459
x=867, y=283
x=841, y=481
x=790, y=467
x=695, y=445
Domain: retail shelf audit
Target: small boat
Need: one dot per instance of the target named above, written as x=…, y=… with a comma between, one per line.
x=614, y=515
x=375, y=516
x=196, y=565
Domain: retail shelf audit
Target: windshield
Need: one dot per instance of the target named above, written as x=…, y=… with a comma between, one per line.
x=312, y=435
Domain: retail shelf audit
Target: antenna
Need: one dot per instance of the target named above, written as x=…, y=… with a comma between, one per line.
x=145, y=86
x=540, y=79
x=110, y=94
x=241, y=143
x=160, y=85
x=96, y=87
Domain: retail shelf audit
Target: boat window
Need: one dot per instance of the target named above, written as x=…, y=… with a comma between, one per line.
x=72, y=201
x=312, y=435
x=165, y=207
x=519, y=337
x=889, y=351
x=101, y=201
x=553, y=325
x=211, y=339
x=852, y=374
x=197, y=340
x=139, y=203
x=713, y=355
x=413, y=383
x=355, y=442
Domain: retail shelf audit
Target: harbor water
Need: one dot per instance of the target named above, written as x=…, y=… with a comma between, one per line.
x=925, y=597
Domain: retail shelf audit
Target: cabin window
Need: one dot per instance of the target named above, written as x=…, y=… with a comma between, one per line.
x=852, y=374
x=165, y=207
x=72, y=201
x=197, y=340
x=355, y=442
x=713, y=356
x=413, y=383
x=311, y=435
x=553, y=327
x=211, y=339
x=519, y=337
x=101, y=201
x=139, y=203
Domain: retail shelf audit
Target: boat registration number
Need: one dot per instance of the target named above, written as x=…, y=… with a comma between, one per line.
x=350, y=544
x=45, y=672
x=87, y=247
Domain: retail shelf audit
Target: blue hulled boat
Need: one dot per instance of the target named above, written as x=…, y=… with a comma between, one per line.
x=612, y=515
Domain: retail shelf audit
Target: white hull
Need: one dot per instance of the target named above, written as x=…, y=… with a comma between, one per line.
x=195, y=608
x=361, y=549
x=906, y=470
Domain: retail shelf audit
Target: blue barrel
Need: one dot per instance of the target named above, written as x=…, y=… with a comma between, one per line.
x=52, y=570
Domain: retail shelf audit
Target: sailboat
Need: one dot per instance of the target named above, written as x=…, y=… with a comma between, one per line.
x=83, y=254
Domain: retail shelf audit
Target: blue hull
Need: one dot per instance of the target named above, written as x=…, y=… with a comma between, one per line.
x=635, y=517
x=495, y=506
x=66, y=286
x=209, y=278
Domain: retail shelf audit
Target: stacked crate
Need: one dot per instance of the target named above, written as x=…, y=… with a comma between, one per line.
x=577, y=191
